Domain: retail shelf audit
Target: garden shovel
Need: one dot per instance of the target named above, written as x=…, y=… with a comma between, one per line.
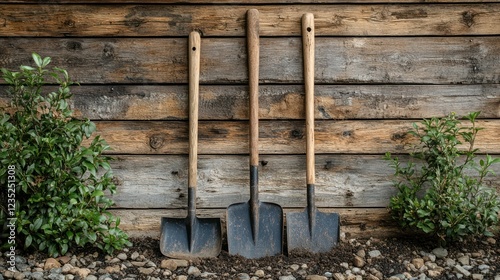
x=310, y=230
x=254, y=228
x=191, y=236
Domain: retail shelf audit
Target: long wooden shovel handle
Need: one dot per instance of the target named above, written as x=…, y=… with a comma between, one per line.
x=194, y=80
x=308, y=52
x=253, y=82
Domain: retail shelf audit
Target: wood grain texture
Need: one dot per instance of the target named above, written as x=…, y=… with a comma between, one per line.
x=52, y=2
x=391, y=60
x=379, y=67
x=275, y=137
x=228, y=20
x=341, y=181
x=355, y=222
x=332, y=102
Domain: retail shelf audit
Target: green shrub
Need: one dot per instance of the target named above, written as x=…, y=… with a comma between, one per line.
x=60, y=184
x=441, y=190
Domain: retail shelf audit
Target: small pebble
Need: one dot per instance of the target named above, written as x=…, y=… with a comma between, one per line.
x=440, y=253
x=168, y=264
x=260, y=273
x=181, y=263
x=243, y=276
x=146, y=271
x=338, y=276
x=477, y=276
x=295, y=267
x=288, y=277
x=134, y=256
x=374, y=254
x=193, y=270
x=358, y=261
x=491, y=240
x=464, y=260
x=316, y=277
x=122, y=256
x=361, y=253
x=459, y=269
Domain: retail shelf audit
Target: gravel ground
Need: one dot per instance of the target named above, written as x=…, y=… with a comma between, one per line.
x=394, y=259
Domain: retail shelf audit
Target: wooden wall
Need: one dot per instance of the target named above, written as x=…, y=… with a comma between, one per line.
x=380, y=65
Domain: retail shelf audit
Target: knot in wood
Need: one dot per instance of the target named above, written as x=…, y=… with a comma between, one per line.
x=108, y=53
x=69, y=23
x=398, y=136
x=468, y=18
x=347, y=133
x=297, y=134
x=74, y=46
x=156, y=141
x=328, y=165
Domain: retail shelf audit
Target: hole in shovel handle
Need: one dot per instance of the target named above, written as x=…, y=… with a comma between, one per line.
x=309, y=29
x=194, y=49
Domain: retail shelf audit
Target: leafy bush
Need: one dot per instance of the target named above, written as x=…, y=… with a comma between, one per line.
x=60, y=184
x=441, y=191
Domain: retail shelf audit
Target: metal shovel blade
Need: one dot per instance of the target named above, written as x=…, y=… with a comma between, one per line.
x=192, y=237
x=312, y=231
x=254, y=228
x=267, y=239
x=181, y=240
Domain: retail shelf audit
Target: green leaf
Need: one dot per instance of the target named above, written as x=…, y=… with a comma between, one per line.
x=92, y=236
x=42, y=246
x=27, y=68
x=38, y=60
x=64, y=248
x=97, y=193
x=27, y=241
x=90, y=167
x=37, y=224
x=46, y=61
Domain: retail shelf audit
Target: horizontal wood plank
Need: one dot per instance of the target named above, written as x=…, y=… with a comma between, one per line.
x=333, y=102
x=228, y=20
x=392, y=60
x=341, y=181
x=52, y=2
x=276, y=137
x=354, y=222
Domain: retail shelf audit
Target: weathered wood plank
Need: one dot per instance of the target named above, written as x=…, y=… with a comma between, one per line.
x=341, y=181
x=391, y=60
x=228, y=20
x=121, y=102
x=355, y=222
x=51, y=2
x=276, y=137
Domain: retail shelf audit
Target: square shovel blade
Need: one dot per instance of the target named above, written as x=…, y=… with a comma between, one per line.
x=267, y=240
x=320, y=236
x=180, y=240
